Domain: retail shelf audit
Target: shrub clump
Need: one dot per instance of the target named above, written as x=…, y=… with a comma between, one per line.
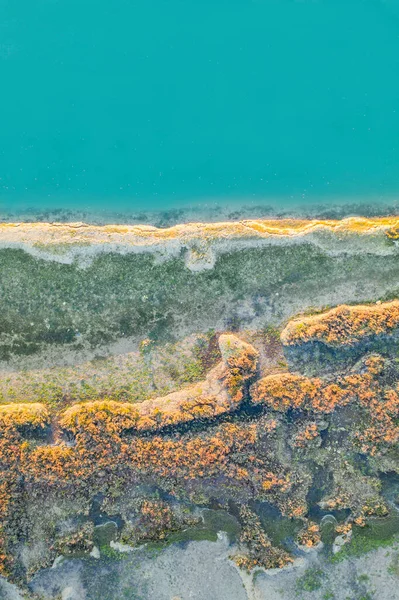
x=258, y=550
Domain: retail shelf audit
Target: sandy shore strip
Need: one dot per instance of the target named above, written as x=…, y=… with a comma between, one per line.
x=202, y=242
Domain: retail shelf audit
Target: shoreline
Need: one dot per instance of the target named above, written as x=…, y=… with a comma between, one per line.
x=35, y=231
x=208, y=210
x=200, y=243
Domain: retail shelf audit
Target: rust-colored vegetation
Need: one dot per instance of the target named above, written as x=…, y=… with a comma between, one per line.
x=393, y=233
x=344, y=325
x=14, y=420
x=363, y=387
x=306, y=435
x=230, y=454
x=309, y=536
x=257, y=547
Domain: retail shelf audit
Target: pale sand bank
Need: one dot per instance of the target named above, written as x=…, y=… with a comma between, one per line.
x=203, y=571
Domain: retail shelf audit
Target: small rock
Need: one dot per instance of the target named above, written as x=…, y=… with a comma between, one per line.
x=57, y=561
x=121, y=547
x=340, y=541
x=95, y=553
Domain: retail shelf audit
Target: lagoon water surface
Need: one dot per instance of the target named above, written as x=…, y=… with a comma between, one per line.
x=133, y=104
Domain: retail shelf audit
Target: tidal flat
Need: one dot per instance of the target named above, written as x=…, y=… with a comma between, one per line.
x=205, y=411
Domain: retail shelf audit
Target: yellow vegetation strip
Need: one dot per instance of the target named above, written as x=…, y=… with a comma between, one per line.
x=78, y=233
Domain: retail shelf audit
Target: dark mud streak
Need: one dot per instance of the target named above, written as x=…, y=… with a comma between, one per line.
x=318, y=357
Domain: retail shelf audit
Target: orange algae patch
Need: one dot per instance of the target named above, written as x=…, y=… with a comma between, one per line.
x=33, y=414
x=393, y=233
x=172, y=460
x=271, y=480
x=306, y=435
x=100, y=451
x=285, y=391
x=12, y=448
x=151, y=415
x=53, y=464
x=343, y=324
x=115, y=416
x=238, y=457
x=310, y=535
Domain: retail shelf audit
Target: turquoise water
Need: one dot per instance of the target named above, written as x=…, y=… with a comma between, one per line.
x=128, y=104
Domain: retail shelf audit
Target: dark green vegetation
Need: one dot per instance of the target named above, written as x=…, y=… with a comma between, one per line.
x=46, y=303
x=363, y=542
x=311, y=580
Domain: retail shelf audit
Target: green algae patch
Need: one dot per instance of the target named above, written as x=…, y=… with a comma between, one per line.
x=47, y=304
x=213, y=522
x=362, y=545
x=132, y=377
x=311, y=580
x=378, y=533
x=105, y=533
x=193, y=535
